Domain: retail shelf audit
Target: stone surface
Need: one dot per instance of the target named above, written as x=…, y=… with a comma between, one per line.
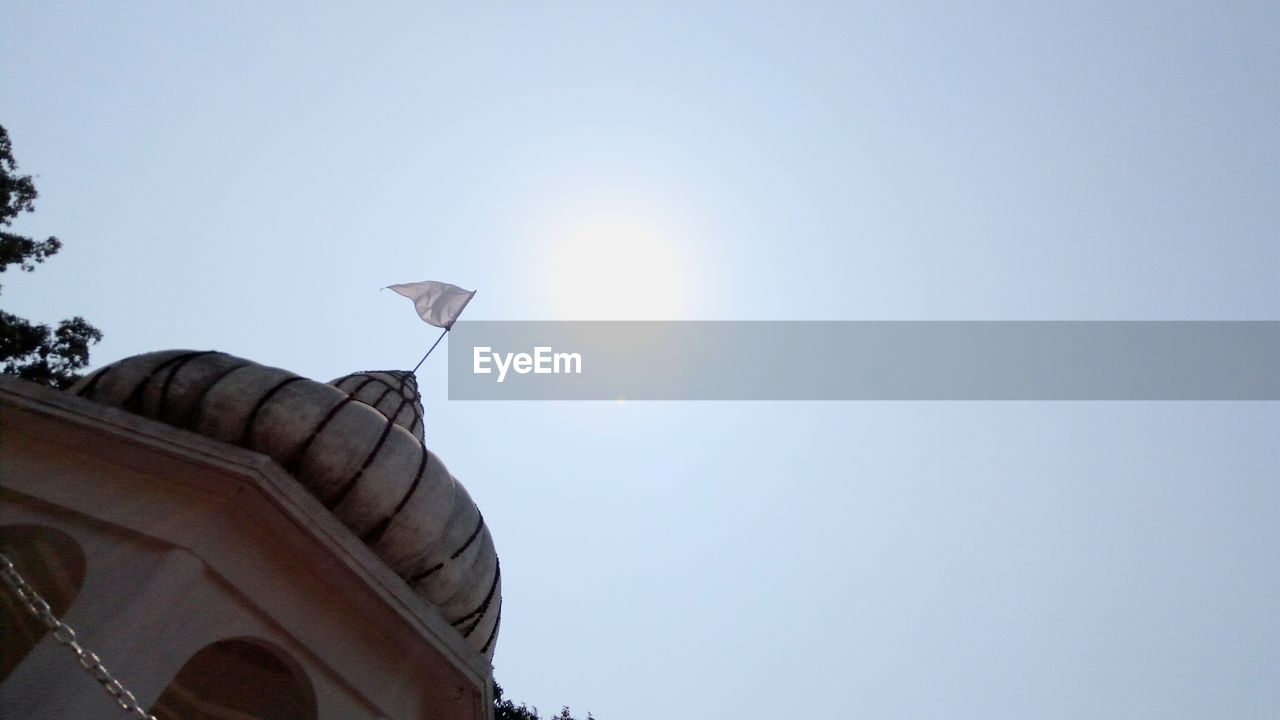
x=394, y=393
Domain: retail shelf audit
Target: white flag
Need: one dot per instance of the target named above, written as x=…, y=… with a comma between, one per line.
x=437, y=303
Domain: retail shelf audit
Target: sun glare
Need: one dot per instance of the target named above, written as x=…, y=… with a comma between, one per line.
x=616, y=269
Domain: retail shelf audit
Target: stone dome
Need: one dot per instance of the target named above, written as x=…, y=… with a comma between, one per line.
x=394, y=393
x=355, y=444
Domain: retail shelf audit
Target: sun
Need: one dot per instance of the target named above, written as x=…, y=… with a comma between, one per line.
x=616, y=268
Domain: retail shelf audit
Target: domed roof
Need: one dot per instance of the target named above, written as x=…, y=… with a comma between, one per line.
x=394, y=393
x=353, y=445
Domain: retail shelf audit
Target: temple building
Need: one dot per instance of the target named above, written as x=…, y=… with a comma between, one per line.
x=229, y=541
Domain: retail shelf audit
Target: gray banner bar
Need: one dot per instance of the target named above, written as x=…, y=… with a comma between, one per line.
x=814, y=360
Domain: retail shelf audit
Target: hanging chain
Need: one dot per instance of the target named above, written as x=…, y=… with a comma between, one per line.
x=66, y=636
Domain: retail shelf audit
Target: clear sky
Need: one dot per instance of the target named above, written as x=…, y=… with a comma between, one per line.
x=237, y=177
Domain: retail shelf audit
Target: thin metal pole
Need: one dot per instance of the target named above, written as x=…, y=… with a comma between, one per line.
x=433, y=347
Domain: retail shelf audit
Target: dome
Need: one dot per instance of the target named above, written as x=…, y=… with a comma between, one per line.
x=355, y=444
x=394, y=393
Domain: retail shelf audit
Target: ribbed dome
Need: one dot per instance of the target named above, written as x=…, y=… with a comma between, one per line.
x=353, y=445
x=394, y=393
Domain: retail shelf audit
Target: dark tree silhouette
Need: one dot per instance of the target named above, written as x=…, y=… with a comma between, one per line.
x=507, y=710
x=28, y=350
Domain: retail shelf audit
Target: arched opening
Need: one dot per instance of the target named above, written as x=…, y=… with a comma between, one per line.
x=52, y=564
x=238, y=679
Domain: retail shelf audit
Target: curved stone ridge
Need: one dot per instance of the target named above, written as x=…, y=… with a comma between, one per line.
x=365, y=464
x=394, y=393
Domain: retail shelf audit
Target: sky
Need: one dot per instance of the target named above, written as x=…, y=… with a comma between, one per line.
x=245, y=178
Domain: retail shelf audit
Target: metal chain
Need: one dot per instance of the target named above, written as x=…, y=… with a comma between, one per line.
x=67, y=636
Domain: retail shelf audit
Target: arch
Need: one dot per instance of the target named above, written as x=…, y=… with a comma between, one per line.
x=53, y=564
x=238, y=679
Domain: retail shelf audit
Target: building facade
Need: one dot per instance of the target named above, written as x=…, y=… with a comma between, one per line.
x=209, y=581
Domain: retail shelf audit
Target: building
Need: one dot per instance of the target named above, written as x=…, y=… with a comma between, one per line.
x=151, y=507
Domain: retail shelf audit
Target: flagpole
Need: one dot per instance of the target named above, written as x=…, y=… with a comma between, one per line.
x=433, y=347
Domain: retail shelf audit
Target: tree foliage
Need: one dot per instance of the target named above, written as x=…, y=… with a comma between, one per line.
x=29, y=350
x=507, y=710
